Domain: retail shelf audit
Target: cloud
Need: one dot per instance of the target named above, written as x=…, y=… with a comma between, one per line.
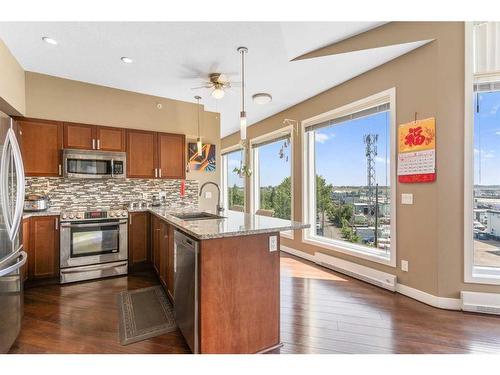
x=380, y=159
x=485, y=154
x=494, y=110
x=322, y=137
x=233, y=163
x=497, y=132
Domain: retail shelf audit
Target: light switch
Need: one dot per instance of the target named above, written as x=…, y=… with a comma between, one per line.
x=406, y=198
x=208, y=194
x=404, y=265
x=273, y=243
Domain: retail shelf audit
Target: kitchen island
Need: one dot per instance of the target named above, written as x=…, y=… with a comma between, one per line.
x=238, y=279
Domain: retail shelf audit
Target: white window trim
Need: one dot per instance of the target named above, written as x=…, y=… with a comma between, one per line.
x=224, y=176
x=254, y=165
x=308, y=209
x=472, y=274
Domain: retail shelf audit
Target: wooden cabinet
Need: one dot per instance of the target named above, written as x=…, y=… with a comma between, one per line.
x=110, y=139
x=141, y=154
x=138, y=238
x=155, y=155
x=160, y=249
x=92, y=137
x=171, y=155
x=43, y=257
x=79, y=136
x=25, y=236
x=41, y=143
x=170, y=262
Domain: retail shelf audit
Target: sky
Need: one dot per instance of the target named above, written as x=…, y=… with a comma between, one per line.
x=487, y=139
x=340, y=151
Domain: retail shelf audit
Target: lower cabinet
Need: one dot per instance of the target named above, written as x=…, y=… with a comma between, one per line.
x=41, y=234
x=160, y=239
x=138, y=239
x=170, y=262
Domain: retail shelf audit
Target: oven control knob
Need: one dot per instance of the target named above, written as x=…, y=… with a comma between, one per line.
x=71, y=215
x=111, y=214
x=64, y=216
x=124, y=213
x=79, y=215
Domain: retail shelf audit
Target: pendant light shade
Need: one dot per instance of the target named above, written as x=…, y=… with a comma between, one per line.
x=243, y=114
x=199, y=145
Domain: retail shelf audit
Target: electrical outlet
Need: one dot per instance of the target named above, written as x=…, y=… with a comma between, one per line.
x=273, y=243
x=162, y=194
x=208, y=194
x=404, y=265
x=406, y=198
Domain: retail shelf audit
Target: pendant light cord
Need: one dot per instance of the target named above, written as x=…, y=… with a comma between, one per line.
x=243, y=80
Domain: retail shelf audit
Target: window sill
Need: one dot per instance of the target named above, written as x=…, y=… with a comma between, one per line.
x=484, y=275
x=357, y=251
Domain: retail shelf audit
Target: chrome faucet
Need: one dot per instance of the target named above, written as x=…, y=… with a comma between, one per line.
x=219, y=208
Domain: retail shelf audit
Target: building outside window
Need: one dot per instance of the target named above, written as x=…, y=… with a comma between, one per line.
x=350, y=179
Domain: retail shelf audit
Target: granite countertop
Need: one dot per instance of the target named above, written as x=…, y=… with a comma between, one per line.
x=232, y=224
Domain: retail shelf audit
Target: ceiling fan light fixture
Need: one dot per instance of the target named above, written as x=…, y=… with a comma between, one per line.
x=262, y=98
x=218, y=93
x=49, y=40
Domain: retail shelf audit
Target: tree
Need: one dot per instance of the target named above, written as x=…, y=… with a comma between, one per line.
x=324, y=194
x=236, y=196
x=348, y=232
x=282, y=199
x=338, y=212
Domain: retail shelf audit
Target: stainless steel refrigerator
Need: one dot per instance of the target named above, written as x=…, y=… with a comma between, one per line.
x=12, y=256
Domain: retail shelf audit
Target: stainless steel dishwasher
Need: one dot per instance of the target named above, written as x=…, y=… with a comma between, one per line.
x=186, y=287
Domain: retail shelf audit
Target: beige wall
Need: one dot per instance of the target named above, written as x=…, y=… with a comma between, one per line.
x=12, y=99
x=61, y=99
x=429, y=81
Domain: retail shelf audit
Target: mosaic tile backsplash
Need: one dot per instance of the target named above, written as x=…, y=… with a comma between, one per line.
x=73, y=193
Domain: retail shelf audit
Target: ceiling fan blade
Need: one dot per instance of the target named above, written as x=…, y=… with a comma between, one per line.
x=202, y=87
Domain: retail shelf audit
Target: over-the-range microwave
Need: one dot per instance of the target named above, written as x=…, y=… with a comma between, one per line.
x=94, y=164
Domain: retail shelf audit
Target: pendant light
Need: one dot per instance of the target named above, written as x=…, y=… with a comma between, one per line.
x=243, y=114
x=199, y=146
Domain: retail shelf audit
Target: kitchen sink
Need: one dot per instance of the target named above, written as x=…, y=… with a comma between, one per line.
x=198, y=216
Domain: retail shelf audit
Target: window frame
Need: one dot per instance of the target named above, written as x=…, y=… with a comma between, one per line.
x=224, y=176
x=472, y=274
x=309, y=184
x=254, y=165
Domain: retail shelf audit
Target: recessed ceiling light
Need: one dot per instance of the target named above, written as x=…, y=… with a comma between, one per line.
x=48, y=40
x=127, y=60
x=262, y=98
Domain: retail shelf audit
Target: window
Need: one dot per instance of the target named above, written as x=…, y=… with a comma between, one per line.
x=349, y=192
x=272, y=178
x=233, y=185
x=482, y=153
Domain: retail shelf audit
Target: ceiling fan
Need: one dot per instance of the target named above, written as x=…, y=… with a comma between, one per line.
x=218, y=82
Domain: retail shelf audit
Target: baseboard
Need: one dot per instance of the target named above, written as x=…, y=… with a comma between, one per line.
x=298, y=253
x=429, y=299
x=486, y=303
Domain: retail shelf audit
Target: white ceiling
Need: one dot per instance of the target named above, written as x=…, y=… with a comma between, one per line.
x=172, y=57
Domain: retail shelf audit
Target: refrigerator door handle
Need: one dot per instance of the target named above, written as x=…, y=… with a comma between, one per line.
x=23, y=256
x=14, y=222
x=10, y=257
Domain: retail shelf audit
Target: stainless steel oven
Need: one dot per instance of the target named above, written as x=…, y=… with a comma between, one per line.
x=93, y=248
x=94, y=164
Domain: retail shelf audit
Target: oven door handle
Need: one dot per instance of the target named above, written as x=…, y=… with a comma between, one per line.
x=97, y=267
x=69, y=225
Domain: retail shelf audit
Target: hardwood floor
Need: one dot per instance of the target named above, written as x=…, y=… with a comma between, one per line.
x=321, y=312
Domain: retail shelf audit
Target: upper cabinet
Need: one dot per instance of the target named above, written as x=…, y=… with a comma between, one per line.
x=141, y=154
x=155, y=155
x=171, y=155
x=41, y=143
x=110, y=139
x=92, y=137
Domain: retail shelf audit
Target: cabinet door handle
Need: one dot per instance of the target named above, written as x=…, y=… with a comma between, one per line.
x=60, y=169
x=93, y=144
x=156, y=172
x=159, y=172
x=98, y=144
x=57, y=223
x=130, y=219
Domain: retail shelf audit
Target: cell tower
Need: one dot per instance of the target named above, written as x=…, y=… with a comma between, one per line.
x=370, y=153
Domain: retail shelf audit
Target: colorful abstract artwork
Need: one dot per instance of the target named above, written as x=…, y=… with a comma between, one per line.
x=204, y=162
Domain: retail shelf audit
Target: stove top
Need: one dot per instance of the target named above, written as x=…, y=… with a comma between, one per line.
x=94, y=213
